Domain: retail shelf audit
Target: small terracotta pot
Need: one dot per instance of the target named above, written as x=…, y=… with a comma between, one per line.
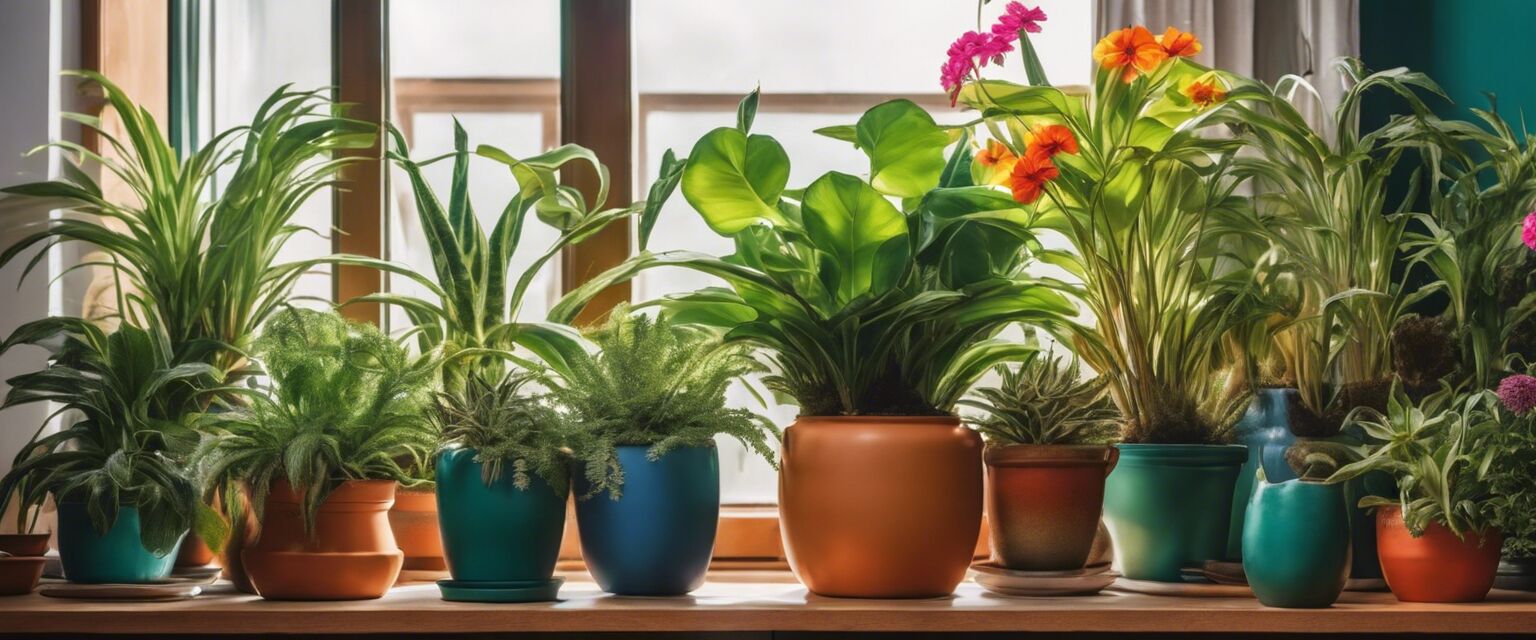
x=1044, y=503
x=414, y=521
x=352, y=554
x=19, y=575
x=880, y=507
x=194, y=552
x=24, y=544
x=1436, y=566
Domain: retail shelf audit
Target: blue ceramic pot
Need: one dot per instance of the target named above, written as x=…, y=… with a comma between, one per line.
x=496, y=532
x=1266, y=430
x=656, y=539
x=1296, y=547
x=1168, y=506
x=116, y=557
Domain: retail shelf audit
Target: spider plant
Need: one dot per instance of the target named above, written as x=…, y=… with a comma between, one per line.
x=345, y=402
x=863, y=308
x=1044, y=401
x=207, y=267
x=1439, y=451
x=508, y=424
x=125, y=444
x=657, y=384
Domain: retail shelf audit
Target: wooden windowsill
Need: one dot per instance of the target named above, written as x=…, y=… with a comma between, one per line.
x=757, y=601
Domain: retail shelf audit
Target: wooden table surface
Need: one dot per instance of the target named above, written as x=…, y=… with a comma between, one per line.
x=757, y=601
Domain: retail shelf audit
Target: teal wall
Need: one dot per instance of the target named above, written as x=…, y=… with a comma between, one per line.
x=1468, y=46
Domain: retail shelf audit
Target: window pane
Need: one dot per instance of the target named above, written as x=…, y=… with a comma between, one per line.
x=819, y=64
x=495, y=65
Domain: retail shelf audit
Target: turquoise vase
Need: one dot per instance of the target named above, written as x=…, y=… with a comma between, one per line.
x=1266, y=430
x=656, y=539
x=497, y=533
x=1168, y=506
x=116, y=557
x=1296, y=547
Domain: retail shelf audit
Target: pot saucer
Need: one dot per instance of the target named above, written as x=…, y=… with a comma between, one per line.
x=469, y=591
x=1072, y=582
x=176, y=587
x=1185, y=589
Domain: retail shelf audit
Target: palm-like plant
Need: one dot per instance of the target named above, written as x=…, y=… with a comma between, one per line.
x=345, y=403
x=207, y=268
x=125, y=446
x=863, y=308
x=1045, y=401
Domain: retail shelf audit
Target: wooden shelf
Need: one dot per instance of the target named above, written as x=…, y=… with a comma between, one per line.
x=757, y=601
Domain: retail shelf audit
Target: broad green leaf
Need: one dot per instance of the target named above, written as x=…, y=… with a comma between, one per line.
x=862, y=237
x=905, y=148
x=734, y=180
x=746, y=112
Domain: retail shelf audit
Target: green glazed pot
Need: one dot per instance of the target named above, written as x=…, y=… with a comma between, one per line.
x=1168, y=506
x=496, y=533
x=117, y=557
x=1266, y=430
x=1296, y=544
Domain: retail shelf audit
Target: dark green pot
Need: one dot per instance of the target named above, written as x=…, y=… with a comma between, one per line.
x=117, y=557
x=1365, y=566
x=1266, y=430
x=1296, y=545
x=656, y=539
x=1168, y=506
x=496, y=533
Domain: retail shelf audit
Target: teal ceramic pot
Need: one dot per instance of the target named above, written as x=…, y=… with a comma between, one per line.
x=117, y=557
x=1266, y=430
x=497, y=532
x=1296, y=546
x=1168, y=506
x=656, y=539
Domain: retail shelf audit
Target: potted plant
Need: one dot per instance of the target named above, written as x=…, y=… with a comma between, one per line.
x=1047, y=455
x=317, y=455
x=1514, y=478
x=124, y=501
x=645, y=411
x=1296, y=545
x=875, y=320
x=1439, y=541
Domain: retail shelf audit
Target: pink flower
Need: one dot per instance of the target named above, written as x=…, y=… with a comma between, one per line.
x=1518, y=393
x=1018, y=18
x=969, y=51
x=1528, y=234
x=952, y=75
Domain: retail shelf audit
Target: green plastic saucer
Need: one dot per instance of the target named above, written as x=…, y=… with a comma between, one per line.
x=468, y=591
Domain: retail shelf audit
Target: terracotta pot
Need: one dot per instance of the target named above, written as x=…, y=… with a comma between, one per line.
x=880, y=507
x=351, y=555
x=19, y=575
x=240, y=537
x=414, y=521
x=194, y=552
x=1436, y=566
x=1044, y=503
x=24, y=544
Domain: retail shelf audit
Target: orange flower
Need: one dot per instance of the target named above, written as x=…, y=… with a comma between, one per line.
x=1052, y=139
x=1132, y=49
x=1205, y=93
x=1180, y=43
x=998, y=160
x=1030, y=175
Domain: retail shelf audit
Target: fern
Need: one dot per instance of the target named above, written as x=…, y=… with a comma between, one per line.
x=657, y=384
x=504, y=424
x=344, y=403
x=1044, y=401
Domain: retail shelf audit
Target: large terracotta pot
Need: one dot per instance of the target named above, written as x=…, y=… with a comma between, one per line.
x=1436, y=566
x=351, y=555
x=880, y=507
x=1044, y=503
x=414, y=522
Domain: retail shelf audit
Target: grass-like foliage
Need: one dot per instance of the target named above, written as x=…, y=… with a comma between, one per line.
x=1045, y=401
x=507, y=424
x=657, y=384
x=123, y=448
x=207, y=267
x=345, y=402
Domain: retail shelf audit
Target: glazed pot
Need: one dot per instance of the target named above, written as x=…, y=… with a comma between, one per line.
x=194, y=552
x=1436, y=566
x=880, y=507
x=1044, y=503
x=1266, y=430
x=1296, y=545
x=352, y=554
x=497, y=532
x=657, y=537
x=1168, y=506
x=115, y=557
x=414, y=522
x=1517, y=574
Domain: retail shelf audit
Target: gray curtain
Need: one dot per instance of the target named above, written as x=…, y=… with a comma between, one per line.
x=1262, y=39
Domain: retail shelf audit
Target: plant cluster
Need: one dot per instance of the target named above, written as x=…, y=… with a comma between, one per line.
x=1513, y=475
x=506, y=422
x=1044, y=400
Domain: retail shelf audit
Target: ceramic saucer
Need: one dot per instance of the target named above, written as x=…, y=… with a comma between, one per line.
x=1185, y=589
x=469, y=591
x=1074, y=582
x=176, y=587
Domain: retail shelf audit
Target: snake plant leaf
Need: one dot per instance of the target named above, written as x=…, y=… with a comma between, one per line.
x=861, y=235
x=734, y=180
x=670, y=174
x=905, y=148
x=556, y=345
